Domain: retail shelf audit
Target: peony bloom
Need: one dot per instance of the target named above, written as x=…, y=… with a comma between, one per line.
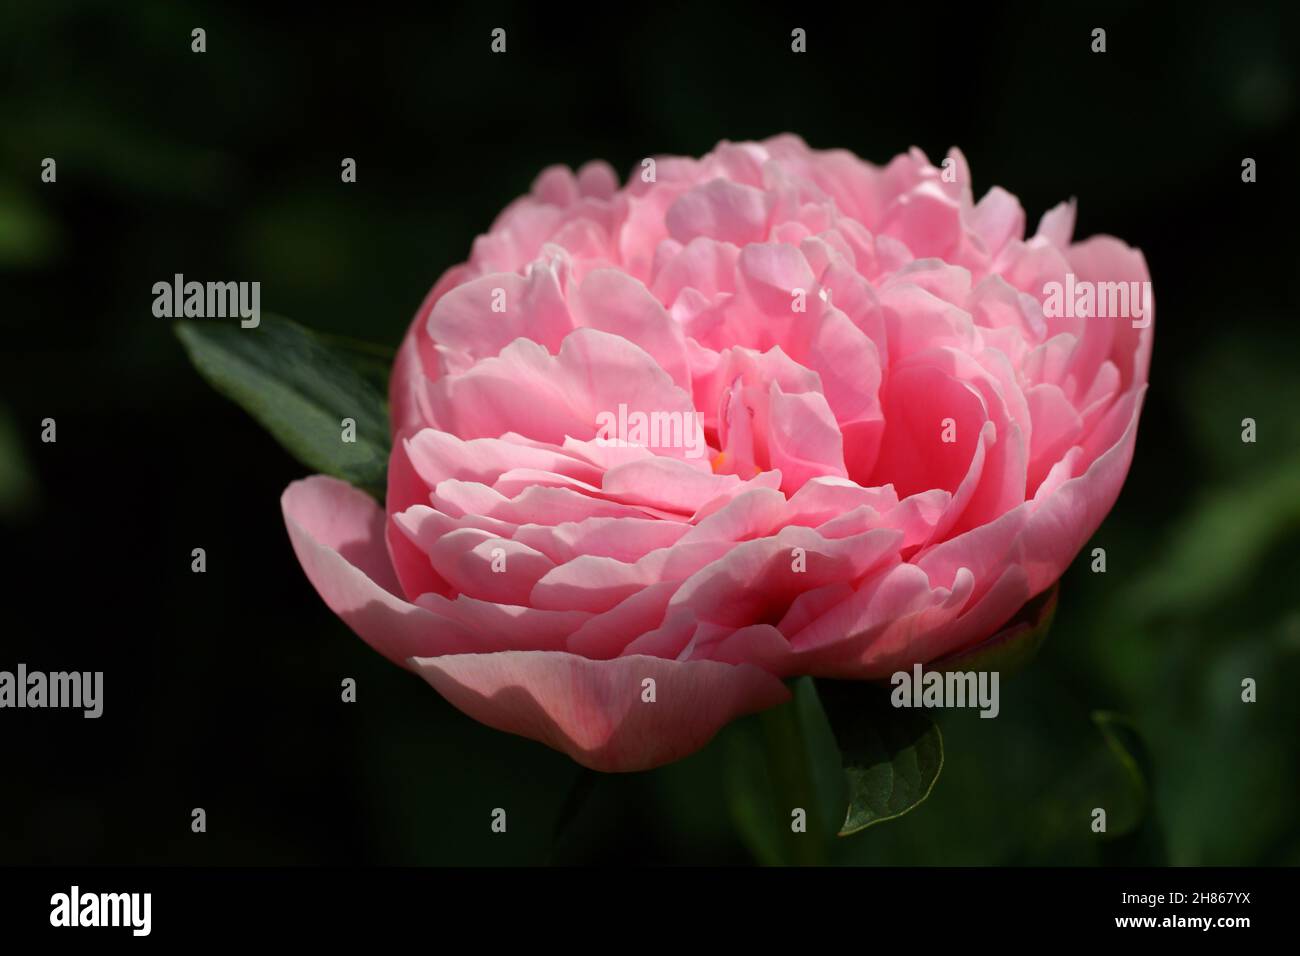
x=767, y=413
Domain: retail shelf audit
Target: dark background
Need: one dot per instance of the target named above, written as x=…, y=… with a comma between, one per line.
x=222, y=689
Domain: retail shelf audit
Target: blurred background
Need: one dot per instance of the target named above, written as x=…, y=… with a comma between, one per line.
x=222, y=689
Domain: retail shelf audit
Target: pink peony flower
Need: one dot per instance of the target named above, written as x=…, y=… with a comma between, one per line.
x=767, y=413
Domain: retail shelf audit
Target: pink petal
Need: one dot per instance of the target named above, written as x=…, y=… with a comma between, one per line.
x=593, y=710
x=772, y=273
x=614, y=302
x=721, y=210
x=337, y=534
x=484, y=315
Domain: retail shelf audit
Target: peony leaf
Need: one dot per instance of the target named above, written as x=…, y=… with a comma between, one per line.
x=300, y=390
x=1127, y=750
x=891, y=757
x=780, y=761
x=1108, y=769
x=372, y=361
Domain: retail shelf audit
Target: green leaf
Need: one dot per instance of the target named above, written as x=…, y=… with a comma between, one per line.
x=751, y=793
x=781, y=760
x=1107, y=769
x=1012, y=648
x=891, y=756
x=300, y=390
x=1126, y=747
x=372, y=361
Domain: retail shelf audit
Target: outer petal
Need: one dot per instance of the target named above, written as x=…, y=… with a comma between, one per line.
x=593, y=710
x=338, y=536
